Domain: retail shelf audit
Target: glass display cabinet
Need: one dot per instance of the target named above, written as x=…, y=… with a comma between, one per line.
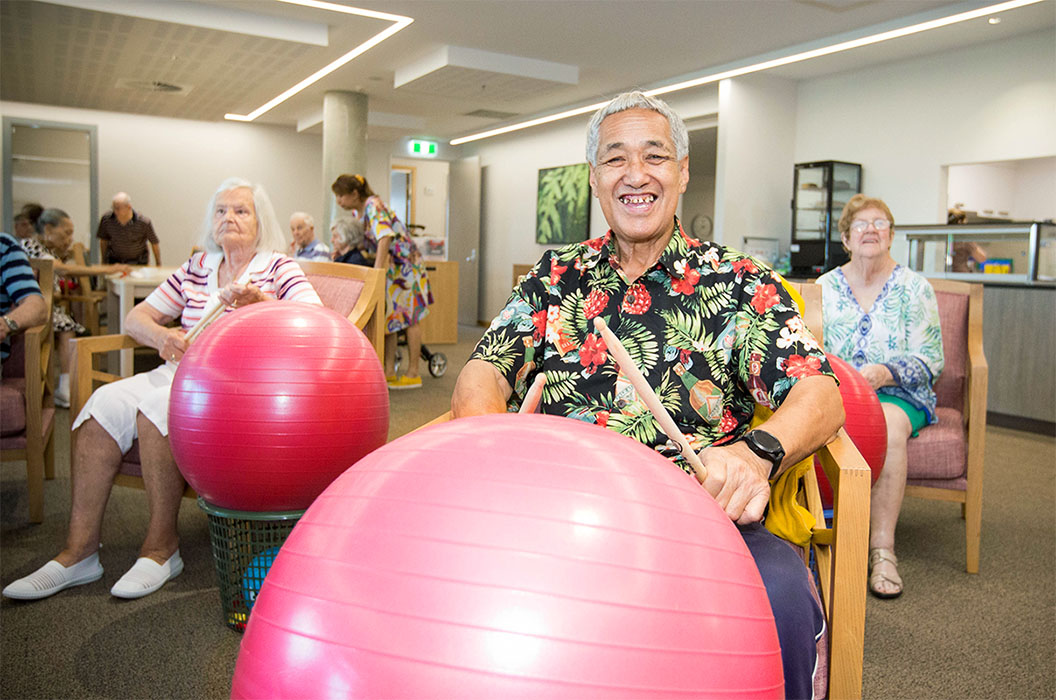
x=1008, y=253
x=819, y=193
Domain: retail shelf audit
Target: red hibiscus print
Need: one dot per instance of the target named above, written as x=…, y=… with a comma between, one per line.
x=592, y=352
x=765, y=296
x=686, y=284
x=636, y=300
x=744, y=265
x=597, y=243
x=799, y=367
x=728, y=423
x=539, y=322
x=556, y=271
x=602, y=418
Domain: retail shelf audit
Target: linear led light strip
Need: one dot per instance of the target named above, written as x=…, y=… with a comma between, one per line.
x=765, y=65
x=399, y=22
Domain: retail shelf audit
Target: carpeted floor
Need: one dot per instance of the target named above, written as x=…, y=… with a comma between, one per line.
x=952, y=635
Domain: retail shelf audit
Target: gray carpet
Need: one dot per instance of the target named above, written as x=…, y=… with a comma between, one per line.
x=951, y=635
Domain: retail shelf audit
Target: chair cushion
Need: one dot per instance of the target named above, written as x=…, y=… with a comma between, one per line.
x=13, y=406
x=337, y=293
x=939, y=452
x=953, y=319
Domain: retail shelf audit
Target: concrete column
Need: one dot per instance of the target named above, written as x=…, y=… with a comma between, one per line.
x=344, y=145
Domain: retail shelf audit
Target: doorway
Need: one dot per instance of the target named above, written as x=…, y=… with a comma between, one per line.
x=401, y=192
x=53, y=164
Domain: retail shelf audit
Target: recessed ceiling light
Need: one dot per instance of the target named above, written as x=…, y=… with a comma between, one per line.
x=994, y=20
x=398, y=23
x=766, y=65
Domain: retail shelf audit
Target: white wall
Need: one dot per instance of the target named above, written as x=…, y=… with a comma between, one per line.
x=904, y=121
x=510, y=166
x=171, y=167
x=754, y=165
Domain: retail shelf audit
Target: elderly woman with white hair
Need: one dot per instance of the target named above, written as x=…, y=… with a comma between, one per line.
x=346, y=238
x=239, y=266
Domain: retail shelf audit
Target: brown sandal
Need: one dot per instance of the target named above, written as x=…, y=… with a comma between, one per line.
x=877, y=555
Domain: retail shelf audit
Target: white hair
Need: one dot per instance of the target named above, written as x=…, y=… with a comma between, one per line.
x=270, y=236
x=637, y=100
x=346, y=231
x=308, y=220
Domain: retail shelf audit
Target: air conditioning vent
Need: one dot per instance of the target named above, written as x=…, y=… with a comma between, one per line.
x=153, y=86
x=491, y=114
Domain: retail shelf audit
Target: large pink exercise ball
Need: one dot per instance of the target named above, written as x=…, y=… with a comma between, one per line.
x=512, y=556
x=272, y=402
x=865, y=423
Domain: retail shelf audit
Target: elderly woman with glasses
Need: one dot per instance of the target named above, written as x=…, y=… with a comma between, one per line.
x=882, y=318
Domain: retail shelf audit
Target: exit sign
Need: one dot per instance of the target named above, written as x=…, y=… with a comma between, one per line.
x=422, y=148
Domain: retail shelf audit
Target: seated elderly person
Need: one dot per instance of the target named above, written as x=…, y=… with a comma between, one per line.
x=239, y=266
x=713, y=331
x=56, y=237
x=883, y=319
x=346, y=237
x=21, y=303
x=305, y=246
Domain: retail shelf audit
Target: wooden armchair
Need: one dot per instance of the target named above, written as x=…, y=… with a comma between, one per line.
x=946, y=461
x=28, y=412
x=89, y=298
x=840, y=549
x=351, y=290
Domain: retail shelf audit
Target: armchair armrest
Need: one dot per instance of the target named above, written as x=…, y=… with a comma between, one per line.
x=84, y=376
x=842, y=555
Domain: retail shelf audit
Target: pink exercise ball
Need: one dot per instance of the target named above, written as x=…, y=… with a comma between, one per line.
x=512, y=556
x=865, y=423
x=272, y=402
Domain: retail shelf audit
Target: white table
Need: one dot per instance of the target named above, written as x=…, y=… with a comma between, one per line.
x=124, y=292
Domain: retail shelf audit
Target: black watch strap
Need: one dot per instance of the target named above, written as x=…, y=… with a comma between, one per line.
x=766, y=446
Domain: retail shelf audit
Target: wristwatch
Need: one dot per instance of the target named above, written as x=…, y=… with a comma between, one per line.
x=766, y=446
x=11, y=323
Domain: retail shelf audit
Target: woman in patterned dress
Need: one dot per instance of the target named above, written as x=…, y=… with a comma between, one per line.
x=56, y=235
x=883, y=319
x=407, y=290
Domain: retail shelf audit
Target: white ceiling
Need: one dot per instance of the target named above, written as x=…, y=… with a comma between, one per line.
x=500, y=59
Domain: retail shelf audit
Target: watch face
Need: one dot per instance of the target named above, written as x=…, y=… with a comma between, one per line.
x=767, y=441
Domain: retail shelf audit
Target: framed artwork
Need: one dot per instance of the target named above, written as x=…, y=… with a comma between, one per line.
x=562, y=213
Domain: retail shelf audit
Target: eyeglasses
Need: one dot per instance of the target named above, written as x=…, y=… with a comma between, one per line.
x=859, y=225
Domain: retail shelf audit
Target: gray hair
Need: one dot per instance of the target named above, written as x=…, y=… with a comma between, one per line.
x=121, y=198
x=308, y=220
x=637, y=100
x=270, y=236
x=346, y=231
x=50, y=217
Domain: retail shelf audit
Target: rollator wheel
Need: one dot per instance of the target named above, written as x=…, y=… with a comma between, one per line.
x=438, y=364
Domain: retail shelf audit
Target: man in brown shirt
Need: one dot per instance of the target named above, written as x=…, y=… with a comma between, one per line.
x=124, y=233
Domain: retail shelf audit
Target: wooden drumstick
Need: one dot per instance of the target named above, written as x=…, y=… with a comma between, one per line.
x=213, y=308
x=652, y=401
x=534, y=395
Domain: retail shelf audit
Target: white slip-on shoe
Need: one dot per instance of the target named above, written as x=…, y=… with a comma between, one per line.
x=54, y=577
x=147, y=576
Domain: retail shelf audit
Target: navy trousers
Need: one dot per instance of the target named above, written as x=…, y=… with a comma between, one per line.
x=799, y=619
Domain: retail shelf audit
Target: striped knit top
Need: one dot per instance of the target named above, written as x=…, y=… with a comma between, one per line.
x=186, y=292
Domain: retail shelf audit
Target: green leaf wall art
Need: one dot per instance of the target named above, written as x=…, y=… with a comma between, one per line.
x=562, y=212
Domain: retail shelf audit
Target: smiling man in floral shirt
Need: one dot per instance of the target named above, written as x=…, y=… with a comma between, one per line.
x=712, y=330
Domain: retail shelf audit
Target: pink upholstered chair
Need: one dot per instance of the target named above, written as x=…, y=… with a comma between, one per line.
x=27, y=412
x=946, y=461
x=356, y=292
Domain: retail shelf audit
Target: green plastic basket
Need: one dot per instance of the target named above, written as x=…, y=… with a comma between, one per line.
x=244, y=545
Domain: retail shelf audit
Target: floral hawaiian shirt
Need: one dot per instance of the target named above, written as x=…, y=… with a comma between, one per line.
x=901, y=331
x=713, y=331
